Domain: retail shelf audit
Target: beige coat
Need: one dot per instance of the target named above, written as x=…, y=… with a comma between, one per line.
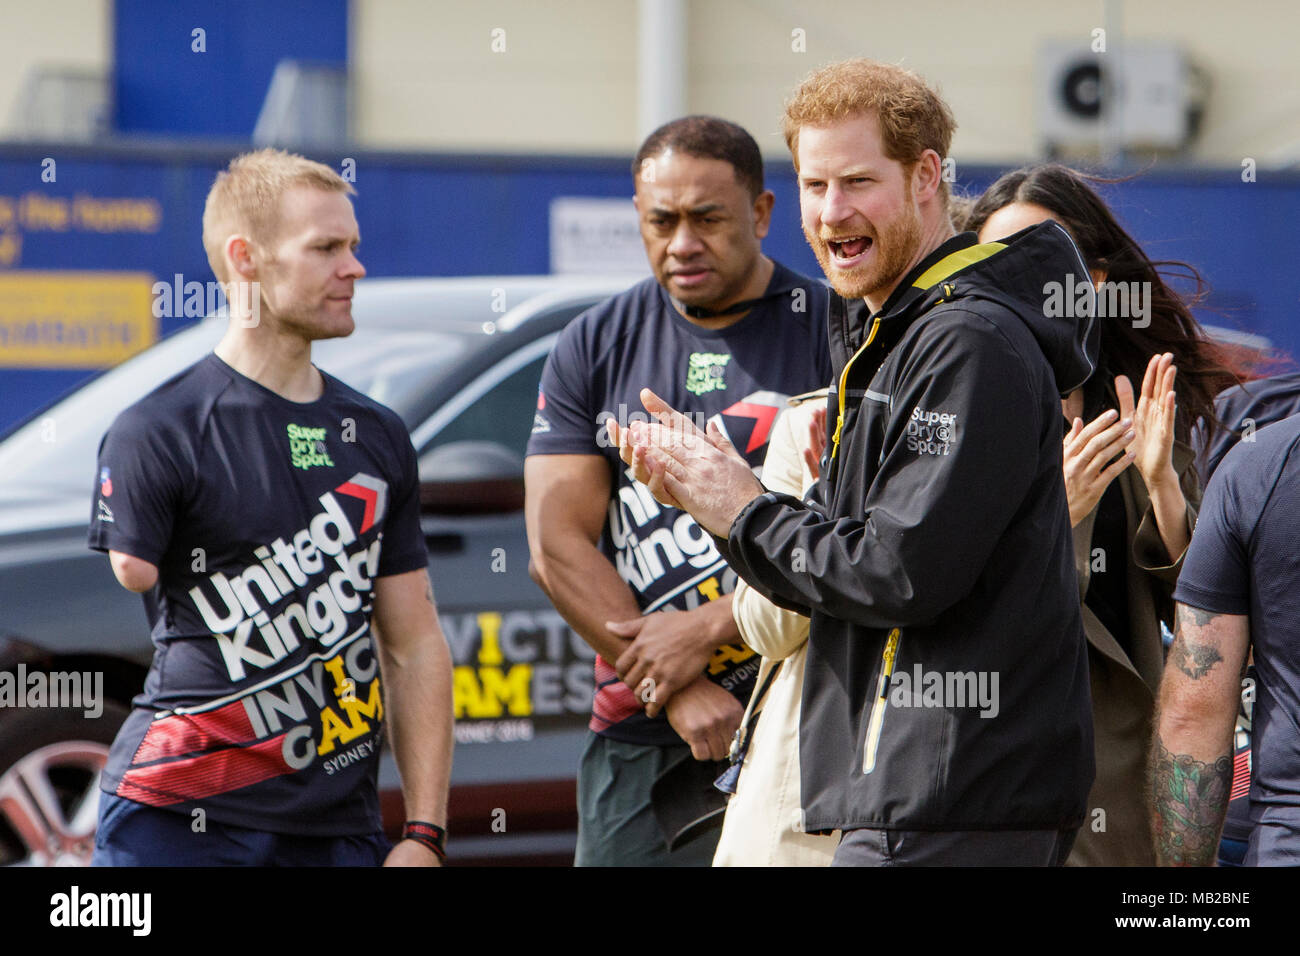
x=1117, y=831
x=763, y=822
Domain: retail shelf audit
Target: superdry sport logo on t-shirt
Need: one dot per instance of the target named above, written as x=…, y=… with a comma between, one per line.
x=307, y=447
x=705, y=372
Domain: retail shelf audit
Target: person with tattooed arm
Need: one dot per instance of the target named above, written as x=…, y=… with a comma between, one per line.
x=1239, y=590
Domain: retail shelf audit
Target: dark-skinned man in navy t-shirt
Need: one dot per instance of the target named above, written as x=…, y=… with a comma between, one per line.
x=271, y=513
x=731, y=334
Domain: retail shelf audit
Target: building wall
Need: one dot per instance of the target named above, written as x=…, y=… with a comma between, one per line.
x=427, y=78
x=562, y=77
x=74, y=33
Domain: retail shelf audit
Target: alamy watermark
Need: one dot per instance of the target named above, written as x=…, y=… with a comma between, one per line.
x=195, y=300
x=946, y=689
x=1118, y=300
x=131, y=911
x=74, y=690
x=677, y=432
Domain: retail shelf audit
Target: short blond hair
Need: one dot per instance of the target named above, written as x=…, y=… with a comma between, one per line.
x=912, y=116
x=246, y=198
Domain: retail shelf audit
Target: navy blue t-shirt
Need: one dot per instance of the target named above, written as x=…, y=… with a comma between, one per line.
x=269, y=521
x=739, y=376
x=1242, y=560
x=1244, y=409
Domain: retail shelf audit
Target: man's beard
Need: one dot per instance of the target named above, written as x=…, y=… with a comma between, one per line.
x=315, y=324
x=893, y=250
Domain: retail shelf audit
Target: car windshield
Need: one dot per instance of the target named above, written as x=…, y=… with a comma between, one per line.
x=56, y=450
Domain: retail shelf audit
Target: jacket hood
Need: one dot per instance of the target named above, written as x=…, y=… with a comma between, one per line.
x=1038, y=274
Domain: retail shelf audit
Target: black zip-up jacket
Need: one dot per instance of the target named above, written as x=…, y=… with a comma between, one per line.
x=947, y=677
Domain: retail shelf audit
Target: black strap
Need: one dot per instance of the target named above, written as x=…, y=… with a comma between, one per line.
x=744, y=305
x=740, y=740
x=699, y=312
x=762, y=692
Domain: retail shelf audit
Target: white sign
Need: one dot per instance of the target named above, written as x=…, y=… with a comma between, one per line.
x=596, y=236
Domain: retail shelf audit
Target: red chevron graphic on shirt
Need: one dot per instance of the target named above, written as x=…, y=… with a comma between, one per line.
x=763, y=416
x=373, y=491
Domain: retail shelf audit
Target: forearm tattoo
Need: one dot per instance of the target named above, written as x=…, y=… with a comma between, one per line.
x=1191, y=799
x=1194, y=660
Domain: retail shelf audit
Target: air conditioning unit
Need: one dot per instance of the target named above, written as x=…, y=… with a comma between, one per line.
x=62, y=104
x=306, y=106
x=1138, y=94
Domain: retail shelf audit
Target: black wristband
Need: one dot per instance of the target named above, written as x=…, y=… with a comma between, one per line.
x=427, y=834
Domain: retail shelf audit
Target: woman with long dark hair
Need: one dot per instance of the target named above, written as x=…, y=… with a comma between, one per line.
x=1129, y=479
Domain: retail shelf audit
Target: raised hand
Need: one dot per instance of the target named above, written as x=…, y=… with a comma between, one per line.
x=1153, y=424
x=697, y=471
x=1090, y=461
x=1153, y=421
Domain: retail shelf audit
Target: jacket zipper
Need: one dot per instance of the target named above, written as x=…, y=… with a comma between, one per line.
x=844, y=378
x=948, y=289
x=877, y=721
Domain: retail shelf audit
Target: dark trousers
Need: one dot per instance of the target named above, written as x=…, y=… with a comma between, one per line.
x=954, y=847
x=134, y=834
x=616, y=819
